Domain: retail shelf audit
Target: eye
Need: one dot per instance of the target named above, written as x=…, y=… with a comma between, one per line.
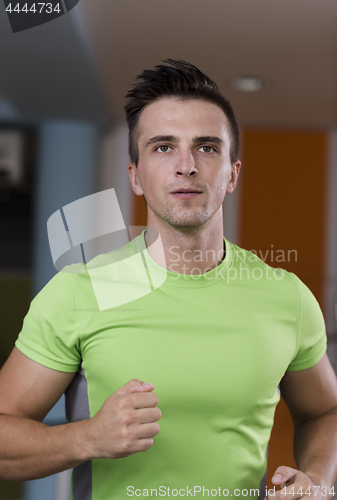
x=208, y=148
x=163, y=148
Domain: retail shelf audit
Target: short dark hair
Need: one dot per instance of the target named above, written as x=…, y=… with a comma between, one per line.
x=182, y=80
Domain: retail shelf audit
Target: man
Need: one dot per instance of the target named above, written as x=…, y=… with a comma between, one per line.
x=217, y=335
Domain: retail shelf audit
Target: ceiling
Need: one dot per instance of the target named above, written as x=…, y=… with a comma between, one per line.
x=292, y=42
x=48, y=72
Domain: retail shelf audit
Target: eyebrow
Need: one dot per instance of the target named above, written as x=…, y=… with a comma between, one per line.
x=161, y=138
x=208, y=138
x=173, y=138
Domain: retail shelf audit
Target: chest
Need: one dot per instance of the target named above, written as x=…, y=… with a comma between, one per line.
x=225, y=350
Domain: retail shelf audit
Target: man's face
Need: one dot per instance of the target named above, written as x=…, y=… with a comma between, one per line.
x=183, y=144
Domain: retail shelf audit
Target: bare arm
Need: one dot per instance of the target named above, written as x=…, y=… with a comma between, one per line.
x=311, y=396
x=30, y=449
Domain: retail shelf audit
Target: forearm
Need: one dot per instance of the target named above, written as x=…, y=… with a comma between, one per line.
x=315, y=444
x=31, y=450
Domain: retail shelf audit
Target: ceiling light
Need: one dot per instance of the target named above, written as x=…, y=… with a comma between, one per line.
x=250, y=83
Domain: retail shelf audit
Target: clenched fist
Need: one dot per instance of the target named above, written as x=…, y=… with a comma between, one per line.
x=126, y=423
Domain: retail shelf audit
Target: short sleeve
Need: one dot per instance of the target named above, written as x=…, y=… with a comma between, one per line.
x=312, y=339
x=50, y=333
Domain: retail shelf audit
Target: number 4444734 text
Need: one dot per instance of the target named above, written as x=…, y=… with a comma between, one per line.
x=35, y=8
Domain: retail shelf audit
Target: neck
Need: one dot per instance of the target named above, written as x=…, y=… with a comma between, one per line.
x=186, y=253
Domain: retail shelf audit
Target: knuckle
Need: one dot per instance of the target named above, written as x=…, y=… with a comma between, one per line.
x=122, y=402
x=126, y=447
x=125, y=435
x=126, y=419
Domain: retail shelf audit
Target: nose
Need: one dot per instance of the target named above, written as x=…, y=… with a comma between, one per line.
x=186, y=164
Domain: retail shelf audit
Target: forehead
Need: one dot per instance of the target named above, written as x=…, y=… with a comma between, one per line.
x=189, y=117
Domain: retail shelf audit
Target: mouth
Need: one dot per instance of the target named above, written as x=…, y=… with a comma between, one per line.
x=186, y=194
x=187, y=190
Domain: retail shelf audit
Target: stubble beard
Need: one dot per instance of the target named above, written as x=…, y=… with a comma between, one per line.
x=187, y=221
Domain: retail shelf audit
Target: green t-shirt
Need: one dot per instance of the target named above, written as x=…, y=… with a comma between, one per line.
x=215, y=346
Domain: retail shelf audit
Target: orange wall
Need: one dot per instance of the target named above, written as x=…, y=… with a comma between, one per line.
x=139, y=210
x=282, y=181
x=283, y=204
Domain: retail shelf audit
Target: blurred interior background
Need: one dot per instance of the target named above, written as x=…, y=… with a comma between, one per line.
x=63, y=136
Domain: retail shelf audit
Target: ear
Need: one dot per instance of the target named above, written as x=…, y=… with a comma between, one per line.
x=133, y=174
x=234, y=176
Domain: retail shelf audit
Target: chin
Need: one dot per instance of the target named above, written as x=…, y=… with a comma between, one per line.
x=188, y=224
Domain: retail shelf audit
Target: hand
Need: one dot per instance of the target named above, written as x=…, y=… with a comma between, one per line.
x=126, y=423
x=298, y=485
